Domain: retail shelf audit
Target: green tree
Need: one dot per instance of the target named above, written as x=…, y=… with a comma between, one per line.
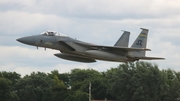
x=98, y=88
x=78, y=96
x=35, y=87
x=138, y=81
x=172, y=87
x=78, y=76
x=80, y=79
x=5, y=89
x=59, y=89
x=64, y=77
x=12, y=76
x=10, y=79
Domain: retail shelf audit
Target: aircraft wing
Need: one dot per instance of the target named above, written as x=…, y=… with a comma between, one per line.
x=66, y=46
x=117, y=48
x=146, y=58
x=150, y=58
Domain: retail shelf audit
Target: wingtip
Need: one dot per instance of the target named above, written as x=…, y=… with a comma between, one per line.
x=147, y=49
x=144, y=29
x=158, y=58
x=125, y=31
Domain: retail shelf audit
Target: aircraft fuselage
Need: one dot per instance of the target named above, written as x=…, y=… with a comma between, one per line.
x=75, y=50
x=57, y=43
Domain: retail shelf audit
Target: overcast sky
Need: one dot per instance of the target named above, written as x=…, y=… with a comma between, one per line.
x=94, y=21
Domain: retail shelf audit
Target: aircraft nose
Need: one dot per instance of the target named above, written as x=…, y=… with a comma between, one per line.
x=30, y=40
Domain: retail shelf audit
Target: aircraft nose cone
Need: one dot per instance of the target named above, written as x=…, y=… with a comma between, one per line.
x=30, y=40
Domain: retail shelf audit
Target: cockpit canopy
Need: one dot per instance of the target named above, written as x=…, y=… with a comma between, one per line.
x=53, y=33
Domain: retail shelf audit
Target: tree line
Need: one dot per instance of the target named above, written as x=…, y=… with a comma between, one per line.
x=138, y=81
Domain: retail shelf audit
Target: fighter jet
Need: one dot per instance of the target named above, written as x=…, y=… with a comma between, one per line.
x=79, y=51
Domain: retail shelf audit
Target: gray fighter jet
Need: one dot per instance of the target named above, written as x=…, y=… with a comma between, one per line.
x=75, y=50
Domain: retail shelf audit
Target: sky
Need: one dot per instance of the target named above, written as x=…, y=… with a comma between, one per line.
x=95, y=21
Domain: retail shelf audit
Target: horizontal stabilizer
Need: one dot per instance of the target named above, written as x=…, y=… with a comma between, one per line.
x=146, y=58
x=150, y=58
x=74, y=58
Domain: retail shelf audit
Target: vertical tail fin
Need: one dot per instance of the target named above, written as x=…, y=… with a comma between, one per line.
x=123, y=40
x=140, y=42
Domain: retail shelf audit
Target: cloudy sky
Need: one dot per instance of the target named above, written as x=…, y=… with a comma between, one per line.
x=94, y=21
